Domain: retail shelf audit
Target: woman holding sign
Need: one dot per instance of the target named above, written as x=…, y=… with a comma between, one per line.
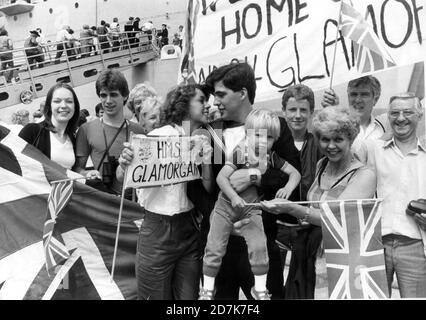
x=339, y=175
x=168, y=254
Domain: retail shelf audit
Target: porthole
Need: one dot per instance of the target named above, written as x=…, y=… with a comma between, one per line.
x=90, y=73
x=65, y=79
x=4, y=96
x=115, y=65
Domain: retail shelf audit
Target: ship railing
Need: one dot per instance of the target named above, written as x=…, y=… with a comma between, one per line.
x=9, y=2
x=61, y=53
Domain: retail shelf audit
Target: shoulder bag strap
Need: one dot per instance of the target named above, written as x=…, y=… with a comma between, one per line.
x=111, y=143
x=217, y=140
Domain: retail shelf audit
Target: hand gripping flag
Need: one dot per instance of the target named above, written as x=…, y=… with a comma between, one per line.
x=81, y=221
x=353, y=250
x=370, y=52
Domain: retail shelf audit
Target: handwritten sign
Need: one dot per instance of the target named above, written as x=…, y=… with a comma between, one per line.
x=292, y=41
x=161, y=161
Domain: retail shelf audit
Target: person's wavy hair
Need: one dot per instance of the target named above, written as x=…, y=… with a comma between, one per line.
x=141, y=90
x=176, y=106
x=19, y=116
x=337, y=120
x=72, y=123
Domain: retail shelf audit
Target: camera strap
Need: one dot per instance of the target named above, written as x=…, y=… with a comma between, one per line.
x=106, y=153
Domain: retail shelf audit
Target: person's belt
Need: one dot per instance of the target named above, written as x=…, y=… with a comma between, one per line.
x=400, y=238
x=153, y=215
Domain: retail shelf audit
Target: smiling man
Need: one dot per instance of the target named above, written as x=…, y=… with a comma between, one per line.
x=102, y=139
x=400, y=166
x=298, y=103
x=363, y=94
x=234, y=90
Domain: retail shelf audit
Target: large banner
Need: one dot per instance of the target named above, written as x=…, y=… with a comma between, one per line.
x=161, y=161
x=293, y=41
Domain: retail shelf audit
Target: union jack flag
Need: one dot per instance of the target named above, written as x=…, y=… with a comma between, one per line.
x=370, y=52
x=58, y=198
x=353, y=250
x=83, y=226
x=188, y=61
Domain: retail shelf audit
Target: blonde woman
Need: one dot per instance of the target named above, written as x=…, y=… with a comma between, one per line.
x=136, y=98
x=339, y=176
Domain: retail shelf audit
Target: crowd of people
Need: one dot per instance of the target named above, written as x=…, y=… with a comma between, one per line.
x=210, y=238
x=92, y=40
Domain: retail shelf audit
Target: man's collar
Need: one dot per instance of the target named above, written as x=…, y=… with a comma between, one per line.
x=421, y=143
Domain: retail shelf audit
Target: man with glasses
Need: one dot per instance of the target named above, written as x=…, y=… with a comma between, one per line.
x=400, y=166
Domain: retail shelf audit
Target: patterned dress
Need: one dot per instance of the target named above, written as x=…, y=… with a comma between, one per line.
x=318, y=193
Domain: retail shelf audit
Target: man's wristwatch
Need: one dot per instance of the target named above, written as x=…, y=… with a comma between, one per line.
x=253, y=173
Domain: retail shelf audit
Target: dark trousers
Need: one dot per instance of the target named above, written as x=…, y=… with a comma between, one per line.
x=235, y=272
x=168, y=261
x=59, y=51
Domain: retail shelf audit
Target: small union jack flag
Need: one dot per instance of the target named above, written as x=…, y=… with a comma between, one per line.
x=191, y=25
x=370, y=52
x=353, y=250
x=58, y=198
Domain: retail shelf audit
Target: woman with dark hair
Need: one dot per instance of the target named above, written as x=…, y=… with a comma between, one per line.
x=169, y=254
x=55, y=136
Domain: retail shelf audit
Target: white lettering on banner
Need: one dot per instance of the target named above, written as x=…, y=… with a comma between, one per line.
x=161, y=161
x=292, y=41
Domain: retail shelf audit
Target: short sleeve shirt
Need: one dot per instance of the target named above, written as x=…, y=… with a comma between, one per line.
x=239, y=159
x=91, y=142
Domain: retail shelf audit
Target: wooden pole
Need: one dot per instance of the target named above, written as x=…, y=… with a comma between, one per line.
x=335, y=45
x=318, y=202
x=123, y=189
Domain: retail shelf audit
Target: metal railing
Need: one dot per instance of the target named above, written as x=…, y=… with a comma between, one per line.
x=9, y=2
x=17, y=61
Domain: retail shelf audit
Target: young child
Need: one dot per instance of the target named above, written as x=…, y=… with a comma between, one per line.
x=231, y=207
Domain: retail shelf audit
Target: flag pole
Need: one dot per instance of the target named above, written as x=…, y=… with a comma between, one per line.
x=335, y=45
x=72, y=179
x=319, y=202
x=123, y=189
